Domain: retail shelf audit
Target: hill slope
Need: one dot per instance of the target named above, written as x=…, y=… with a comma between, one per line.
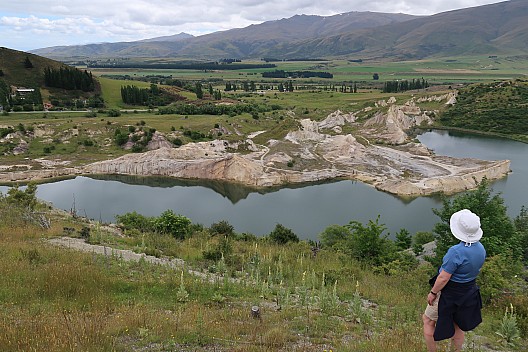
x=242, y=42
x=12, y=64
x=63, y=86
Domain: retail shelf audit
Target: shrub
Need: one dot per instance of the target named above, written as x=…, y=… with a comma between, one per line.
x=368, y=244
x=135, y=221
x=333, y=235
x=113, y=113
x=223, y=249
x=120, y=138
x=283, y=235
x=500, y=236
x=421, y=238
x=499, y=275
x=222, y=228
x=24, y=199
x=403, y=239
x=173, y=224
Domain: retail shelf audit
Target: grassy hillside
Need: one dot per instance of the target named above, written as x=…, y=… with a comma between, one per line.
x=497, y=107
x=21, y=69
x=15, y=71
x=60, y=299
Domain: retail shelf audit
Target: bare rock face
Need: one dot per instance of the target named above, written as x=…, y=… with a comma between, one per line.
x=336, y=119
x=340, y=147
x=391, y=126
x=158, y=141
x=309, y=132
x=21, y=148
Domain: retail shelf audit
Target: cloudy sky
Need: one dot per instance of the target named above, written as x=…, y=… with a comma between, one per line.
x=32, y=24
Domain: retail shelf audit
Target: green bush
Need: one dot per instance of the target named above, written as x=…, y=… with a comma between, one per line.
x=283, y=235
x=222, y=228
x=135, y=221
x=403, y=239
x=500, y=275
x=333, y=235
x=173, y=224
x=113, y=113
x=420, y=238
x=26, y=199
x=367, y=243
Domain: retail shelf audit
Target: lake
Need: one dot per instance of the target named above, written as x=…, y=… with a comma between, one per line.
x=307, y=209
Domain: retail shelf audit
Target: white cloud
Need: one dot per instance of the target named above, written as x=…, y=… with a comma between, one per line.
x=122, y=20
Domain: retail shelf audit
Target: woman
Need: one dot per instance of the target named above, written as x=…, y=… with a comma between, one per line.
x=457, y=308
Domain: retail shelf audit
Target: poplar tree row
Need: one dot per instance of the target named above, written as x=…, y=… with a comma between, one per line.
x=402, y=86
x=69, y=79
x=134, y=95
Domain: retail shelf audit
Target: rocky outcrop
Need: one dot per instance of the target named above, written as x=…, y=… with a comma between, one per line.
x=38, y=175
x=158, y=141
x=391, y=126
x=449, y=184
x=336, y=119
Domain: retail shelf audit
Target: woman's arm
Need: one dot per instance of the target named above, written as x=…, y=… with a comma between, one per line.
x=440, y=282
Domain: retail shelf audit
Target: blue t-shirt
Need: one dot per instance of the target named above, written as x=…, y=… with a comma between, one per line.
x=464, y=262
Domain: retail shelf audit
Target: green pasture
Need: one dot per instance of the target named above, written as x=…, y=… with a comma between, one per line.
x=436, y=71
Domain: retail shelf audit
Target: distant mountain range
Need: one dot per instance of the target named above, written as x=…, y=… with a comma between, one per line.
x=500, y=28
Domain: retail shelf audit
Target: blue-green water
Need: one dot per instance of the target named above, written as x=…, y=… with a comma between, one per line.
x=306, y=210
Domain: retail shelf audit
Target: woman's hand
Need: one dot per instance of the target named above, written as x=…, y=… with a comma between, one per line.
x=431, y=298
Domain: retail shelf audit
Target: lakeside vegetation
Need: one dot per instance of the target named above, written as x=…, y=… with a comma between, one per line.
x=496, y=107
x=356, y=291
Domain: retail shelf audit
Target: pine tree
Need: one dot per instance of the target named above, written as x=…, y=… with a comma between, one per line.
x=199, y=91
x=27, y=63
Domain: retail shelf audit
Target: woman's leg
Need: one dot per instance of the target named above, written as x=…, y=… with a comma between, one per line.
x=428, y=331
x=458, y=339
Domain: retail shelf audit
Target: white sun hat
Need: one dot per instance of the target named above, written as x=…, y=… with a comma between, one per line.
x=465, y=226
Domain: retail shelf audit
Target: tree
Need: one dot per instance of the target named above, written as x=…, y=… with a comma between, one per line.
x=403, y=239
x=521, y=225
x=283, y=235
x=499, y=232
x=199, y=91
x=375, y=76
x=27, y=63
x=26, y=199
